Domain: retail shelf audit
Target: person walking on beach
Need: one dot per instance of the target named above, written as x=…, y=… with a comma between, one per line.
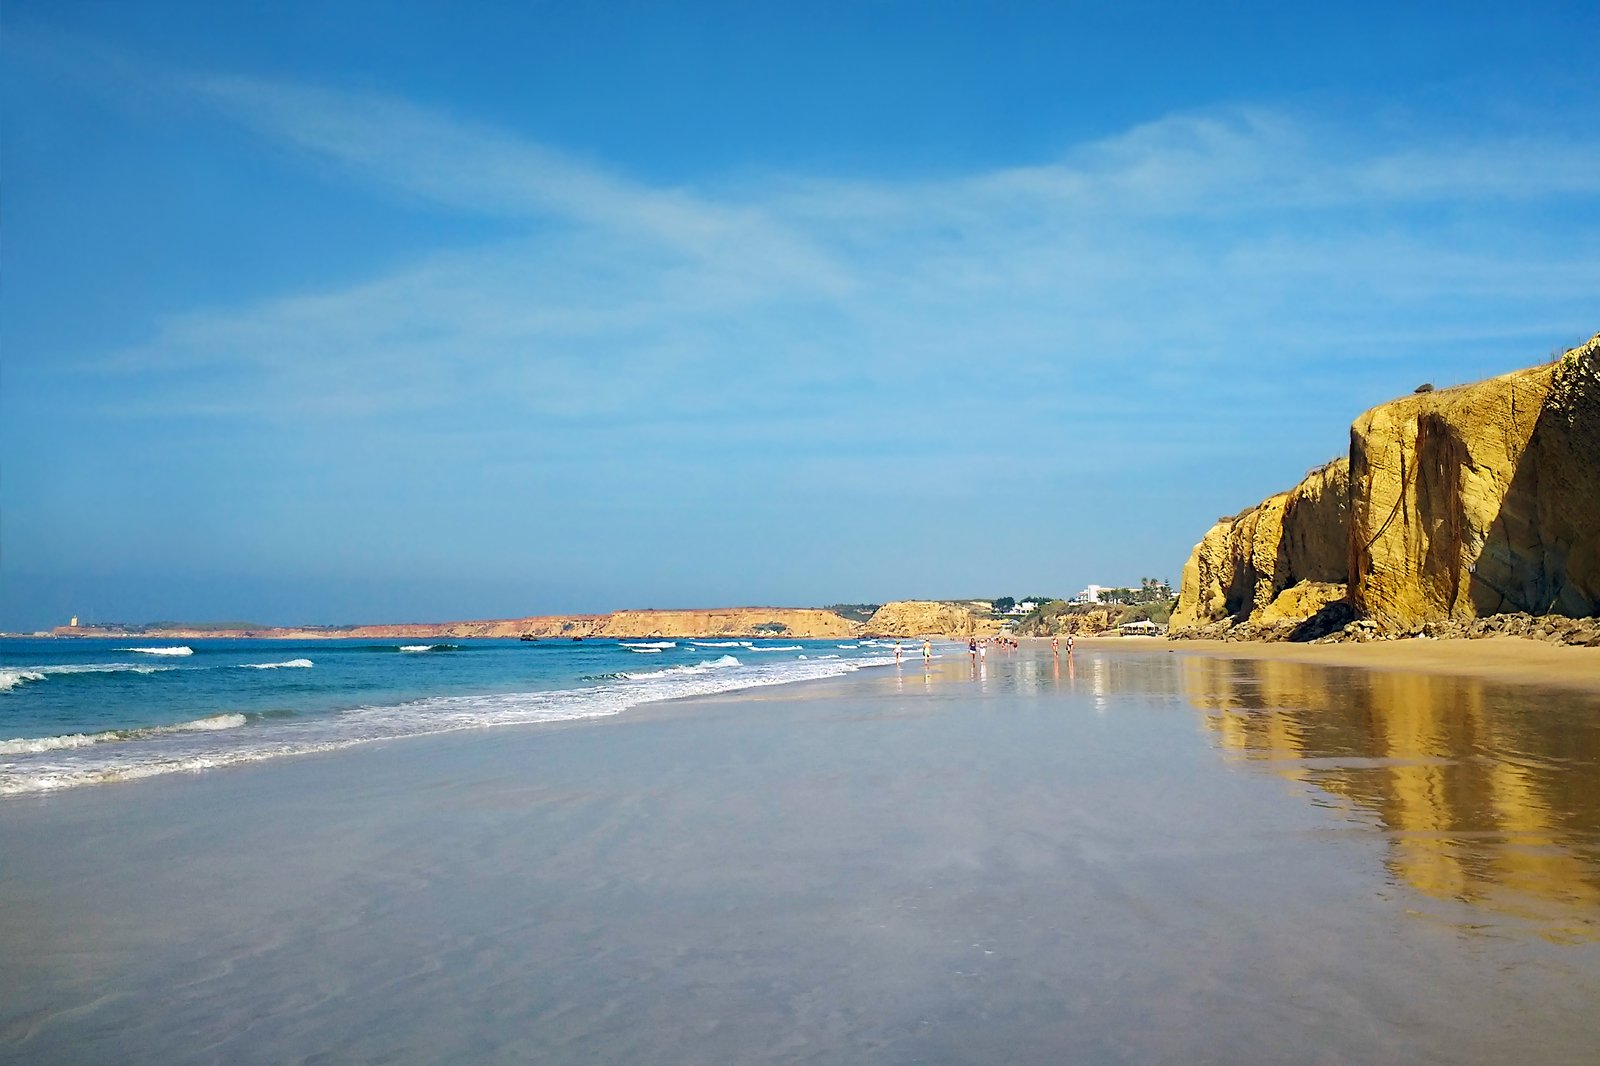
x=897, y=653
x=1069, y=643
x=972, y=649
x=927, y=651
x=1055, y=647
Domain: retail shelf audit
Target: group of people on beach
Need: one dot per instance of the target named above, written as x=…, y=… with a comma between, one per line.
x=978, y=648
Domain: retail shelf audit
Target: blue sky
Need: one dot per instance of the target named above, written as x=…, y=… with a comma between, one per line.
x=360, y=312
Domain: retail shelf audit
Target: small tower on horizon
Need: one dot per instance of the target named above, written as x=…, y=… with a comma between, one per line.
x=74, y=623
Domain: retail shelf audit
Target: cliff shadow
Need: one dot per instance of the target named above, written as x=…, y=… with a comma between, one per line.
x=1541, y=554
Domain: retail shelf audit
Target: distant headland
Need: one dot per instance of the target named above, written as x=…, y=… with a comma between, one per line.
x=902, y=619
x=1095, y=609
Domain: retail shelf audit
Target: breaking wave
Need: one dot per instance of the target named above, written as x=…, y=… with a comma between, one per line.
x=23, y=746
x=12, y=676
x=49, y=763
x=681, y=671
x=649, y=645
x=300, y=664
x=180, y=650
x=429, y=647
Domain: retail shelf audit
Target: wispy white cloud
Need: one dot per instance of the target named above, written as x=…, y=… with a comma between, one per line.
x=1189, y=255
x=464, y=165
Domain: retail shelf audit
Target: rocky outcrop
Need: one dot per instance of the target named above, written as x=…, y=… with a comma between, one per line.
x=732, y=622
x=1276, y=563
x=1550, y=628
x=914, y=618
x=1076, y=621
x=1454, y=504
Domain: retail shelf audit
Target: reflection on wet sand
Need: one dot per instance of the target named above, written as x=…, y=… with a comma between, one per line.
x=1489, y=794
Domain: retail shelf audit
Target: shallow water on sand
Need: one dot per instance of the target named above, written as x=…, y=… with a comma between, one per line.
x=1123, y=857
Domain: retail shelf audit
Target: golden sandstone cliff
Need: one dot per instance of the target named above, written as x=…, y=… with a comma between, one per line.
x=1283, y=559
x=912, y=618
x=720, y=622
x=1453, y=505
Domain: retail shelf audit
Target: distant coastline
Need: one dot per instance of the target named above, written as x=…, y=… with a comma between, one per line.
x=905, y=619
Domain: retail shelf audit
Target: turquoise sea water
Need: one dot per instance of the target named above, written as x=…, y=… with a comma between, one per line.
x=76, y=712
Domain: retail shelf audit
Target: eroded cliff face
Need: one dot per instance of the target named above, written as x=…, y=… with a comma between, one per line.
x=1456, y=504
x=1481, y=499
x=913, y=618
x=1270, y=563
x=730, y=622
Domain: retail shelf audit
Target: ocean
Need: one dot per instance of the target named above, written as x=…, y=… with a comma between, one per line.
x=84, y=711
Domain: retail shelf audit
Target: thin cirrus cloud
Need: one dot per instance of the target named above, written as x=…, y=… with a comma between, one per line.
x=1185, y=254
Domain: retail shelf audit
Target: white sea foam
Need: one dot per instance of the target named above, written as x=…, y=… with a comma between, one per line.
x=61, y=762
x=718, y=643
x=12, y=676
x=649, y=645
x=847, y=646
x=698, y=668
x=216, y=721
x=161, y=651
x=427, y=647
x=23, y=746
x=299, y=664
x=786, y=647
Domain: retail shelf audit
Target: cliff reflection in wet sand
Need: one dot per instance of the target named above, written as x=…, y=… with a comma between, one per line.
x=1489, y=794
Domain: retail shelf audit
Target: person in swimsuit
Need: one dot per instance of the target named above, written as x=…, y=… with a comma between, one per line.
x=927, y=650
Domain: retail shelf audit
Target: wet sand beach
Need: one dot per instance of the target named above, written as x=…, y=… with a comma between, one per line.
x=1509, y=659
x=1128, y=856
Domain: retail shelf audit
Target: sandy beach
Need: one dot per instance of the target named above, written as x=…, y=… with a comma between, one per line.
x=1131, y=856
x=1508, y=659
